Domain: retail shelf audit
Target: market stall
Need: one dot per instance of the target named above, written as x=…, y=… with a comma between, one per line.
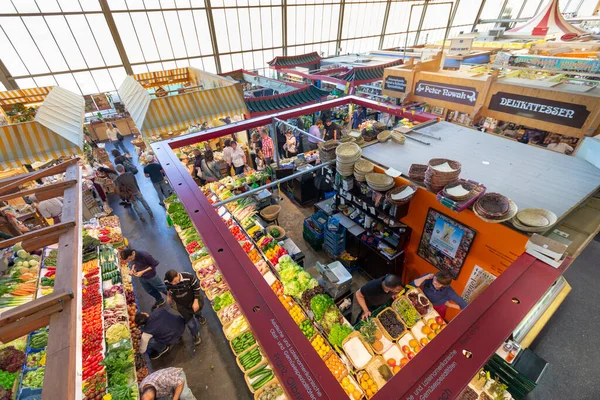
x=516, y=104
x=244, y=267
x=196, y=98
x=53, y=131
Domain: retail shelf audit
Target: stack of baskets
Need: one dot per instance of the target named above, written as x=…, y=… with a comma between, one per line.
x=440, y=172
x=401, y=195
x=379, y=182
x=347, y=154
x=362, y=168
x=416, y=172
x=495, y=208
x=327, y=150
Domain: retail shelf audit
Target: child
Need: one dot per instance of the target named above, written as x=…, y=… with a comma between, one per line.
x=260, y=161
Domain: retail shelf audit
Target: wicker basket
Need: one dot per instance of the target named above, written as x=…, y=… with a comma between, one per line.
x=436, y=180
x=231, y=346
x=270, y=383
x=263, y=362
x=465, y=184
x=356, y=334
x=281, y=232
x=399, y=189
x=237, y=359
x=372, y=369
x=395, y=307
x=384, y=136
x=327, y=150
x=416, y=172
x=384, y=331
x=270, y=213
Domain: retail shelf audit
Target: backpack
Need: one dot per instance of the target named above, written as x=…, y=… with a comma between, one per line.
x=125, y=192
x=129, y=167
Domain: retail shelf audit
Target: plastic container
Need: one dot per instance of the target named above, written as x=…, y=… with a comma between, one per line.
x=367, y=347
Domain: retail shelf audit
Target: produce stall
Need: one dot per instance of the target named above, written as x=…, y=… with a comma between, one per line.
x=197, y=98
x=243, y=269
x=39, y=303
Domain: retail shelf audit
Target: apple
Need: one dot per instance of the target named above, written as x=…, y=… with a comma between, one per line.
x=410, y=356
x=406, y=349
x=439, y=320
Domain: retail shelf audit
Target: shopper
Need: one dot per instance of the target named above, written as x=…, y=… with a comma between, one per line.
x=115, y=137
x=143, y=265
x=183, y=289
x=166, y=383
x=346, y=126
x=238, y=158
x=198, y=165
x=316, y=131
x=377, y=292
x=559, y=146
x=332, y=130
x=280, y=135
x=358, y=117
x=227, y=154
x=160, y=330
x=267, y=146
x=260, y=161
x=210, y=168
x=290, y=144
x=438, y=291
x=50, y=208
x=124, y=160
x=130, y=191
x=155, y=172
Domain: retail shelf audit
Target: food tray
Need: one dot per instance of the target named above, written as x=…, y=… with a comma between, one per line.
x=399, y=319
x=210, y=294
x=334, y=354
x=383, y=331
x=372, y=367
x=416, y=331
x=220, y=312
x=227, y=326
x=231, y=346
x=263, y=362
x=395, y=353
x=420, y=292
x=395, y=307
x=356, y=386
x=357, y=334
x=273, y=382
x=359, y=375
x=237, y=359
x=405, y=340
x=385, y=340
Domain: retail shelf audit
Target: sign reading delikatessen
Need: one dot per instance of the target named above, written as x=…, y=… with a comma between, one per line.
x=395, y=83
x=557, y=112
x=452, y=93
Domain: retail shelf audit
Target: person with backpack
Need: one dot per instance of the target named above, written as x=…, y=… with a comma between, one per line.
x=155, y=172
x=115, y=137
x=124, y=161
x=130, y=191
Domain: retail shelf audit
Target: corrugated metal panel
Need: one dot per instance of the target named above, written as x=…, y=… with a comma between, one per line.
x=62, y=113
x=136, y=99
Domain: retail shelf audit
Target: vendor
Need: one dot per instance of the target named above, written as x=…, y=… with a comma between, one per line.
x=50, y=208
x=438, y=291
x=332, y=130
x=377, y=292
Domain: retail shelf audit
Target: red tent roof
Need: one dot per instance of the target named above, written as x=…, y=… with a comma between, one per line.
x=547, y=22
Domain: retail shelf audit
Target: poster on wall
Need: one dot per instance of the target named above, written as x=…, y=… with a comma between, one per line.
x=479, y=280
x=90, y=106
x=557, y=112
x=447, y=92
x=445, y=242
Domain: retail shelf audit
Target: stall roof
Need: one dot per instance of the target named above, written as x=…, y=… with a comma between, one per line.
x=159, y=78
x=295, y=61
x=23, y=96
x=360, y=75
x=549, y=21
x=57, y=131
x=532, y=177
x=285, y=101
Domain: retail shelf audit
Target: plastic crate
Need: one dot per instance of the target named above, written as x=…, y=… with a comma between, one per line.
x=308, y=228
x=320, y=219
x=316, y=244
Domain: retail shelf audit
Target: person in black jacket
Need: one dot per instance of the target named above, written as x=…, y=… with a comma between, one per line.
x=160, y=330
x=143, y=265
x=183, y=289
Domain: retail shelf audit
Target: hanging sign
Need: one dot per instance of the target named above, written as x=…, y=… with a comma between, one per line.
x=556, y=63
x=557, y=112
x=395, y=83
x=479, y=280
x=452, y=93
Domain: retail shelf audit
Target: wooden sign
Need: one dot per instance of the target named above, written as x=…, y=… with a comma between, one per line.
x=557, y=112
x=442, y=91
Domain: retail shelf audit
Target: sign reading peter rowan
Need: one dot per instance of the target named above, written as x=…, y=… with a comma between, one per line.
x=452, y=93
x=557, y=112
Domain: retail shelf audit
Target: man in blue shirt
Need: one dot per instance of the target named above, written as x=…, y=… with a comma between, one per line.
x=438, y=291
x=358, y=117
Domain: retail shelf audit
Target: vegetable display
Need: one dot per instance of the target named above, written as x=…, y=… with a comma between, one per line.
x=11, y=359
x=272, y=392
x=250, y=358
x=34, y=378
x=338, y=333
x=294, y=278
x=7, y=379
x=37, y=359
x=116, y=333
x=118, y=362
x=39, y=339
x=407, y=312
x=320, y=304
x=223, y=300
x=243, y=342
x=260, y=376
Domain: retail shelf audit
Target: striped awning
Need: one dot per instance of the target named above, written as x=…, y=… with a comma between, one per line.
x=31, y=142
x=24, y=96
x=56, y=131
x=173, y=113
x=159, y=78
x=295, y=61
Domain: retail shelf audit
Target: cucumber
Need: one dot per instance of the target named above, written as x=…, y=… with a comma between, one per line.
x=257, y=371
x=260, y=383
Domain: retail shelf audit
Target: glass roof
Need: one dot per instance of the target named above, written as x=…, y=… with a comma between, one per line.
x=89, y=46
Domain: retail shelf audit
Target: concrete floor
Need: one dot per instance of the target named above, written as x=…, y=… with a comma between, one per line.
x=568, y=342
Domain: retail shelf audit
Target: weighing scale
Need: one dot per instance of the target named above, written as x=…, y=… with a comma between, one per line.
x=336, y=278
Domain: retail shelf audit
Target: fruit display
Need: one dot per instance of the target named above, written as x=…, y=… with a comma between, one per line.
x=393, y=357
x=357, y=351
x=236, y=327
x=336, y=366
x=367, y=384
x=409, y=346
x=297, y=314
x=371, y=333
x=242, y=342
x=250, y=358
x=260, y=376
x=307, y=329
x=420, y=302
x=351, y=388
x=379, y=371
x=321, y=346
x=407, y=312
x=390, y=322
